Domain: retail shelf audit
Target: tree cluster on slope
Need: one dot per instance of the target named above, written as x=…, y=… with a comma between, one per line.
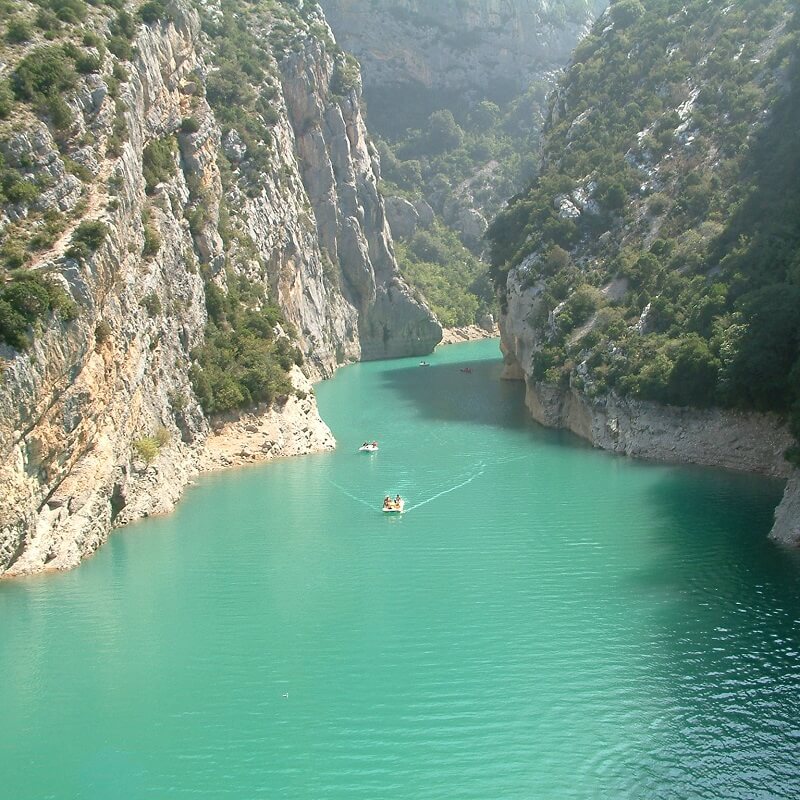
x=671, y=163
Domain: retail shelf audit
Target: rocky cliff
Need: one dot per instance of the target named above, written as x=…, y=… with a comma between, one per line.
x=153, y=210
x=459, y=44
x=743, y=441
x=647, y=275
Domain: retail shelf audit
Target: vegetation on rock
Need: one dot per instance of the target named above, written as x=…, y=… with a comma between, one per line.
x=245, y=358
x=460, y=156
x=670, y=168
x=26, y=300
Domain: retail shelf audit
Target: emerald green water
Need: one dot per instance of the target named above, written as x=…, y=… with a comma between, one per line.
x=545, y=621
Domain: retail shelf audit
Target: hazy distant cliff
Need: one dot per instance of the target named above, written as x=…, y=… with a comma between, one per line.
x=458, y=44
x=179, y=228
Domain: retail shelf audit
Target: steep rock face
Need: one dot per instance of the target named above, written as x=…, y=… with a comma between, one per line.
x=458, y=44
x=340, y=173
x=747, y=442
x=99, y=422
x=71, y=410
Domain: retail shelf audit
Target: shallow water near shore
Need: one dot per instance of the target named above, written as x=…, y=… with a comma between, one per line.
x=545, y=620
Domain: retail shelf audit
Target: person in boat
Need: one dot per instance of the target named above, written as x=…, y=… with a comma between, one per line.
x=374, y=444
x=397, y=500
x=366, y=444
x=387, y=503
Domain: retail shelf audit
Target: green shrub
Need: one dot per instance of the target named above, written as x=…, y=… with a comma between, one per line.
x=91, y=39
x=13, y=254
x=190, y=125
x=346, y=75
x=16, y=190
x=162, y=436
x=153, y=11
x=69, y=11
x=120, y=47
x=124, y=25
x=102, y=332
x=159, y=162
x=120, y=73
x=18, y=31
x=146, y=448
x=240, y=363
x=27, y=299
x=151, y=304
x=87, y=238
x=78, y=170
x=47, y=21
x=59, y=112
x=86, y=63
x=152, y=239
x=6, y=100
x=42, y=73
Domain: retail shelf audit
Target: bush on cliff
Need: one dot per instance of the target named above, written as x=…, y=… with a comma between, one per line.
x=159, y=162
x=43, y=73
x=242, y=361
x=25, y=301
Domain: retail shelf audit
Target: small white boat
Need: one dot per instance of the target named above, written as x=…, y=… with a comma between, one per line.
x=394, y=507
x=368, y=447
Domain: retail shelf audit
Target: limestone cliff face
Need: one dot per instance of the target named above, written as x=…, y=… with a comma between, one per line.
x=747, y=442
x=459, y=44
x=378, y=317
x=99, y=423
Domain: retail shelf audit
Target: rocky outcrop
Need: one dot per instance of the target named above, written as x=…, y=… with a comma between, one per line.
x=403, y=217
x=99, y=423
x=457, y=44
x=786, y=529
x=74, y=408
x=292, y=427
x=471, y=333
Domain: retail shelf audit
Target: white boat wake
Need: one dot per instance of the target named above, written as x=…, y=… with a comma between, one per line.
x=481, y=469
x=463, y=483
x=351, y=496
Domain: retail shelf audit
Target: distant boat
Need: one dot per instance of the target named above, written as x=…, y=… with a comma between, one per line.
x=368, y=447
x=468, y=370
x=394, y=506
x=424, y=364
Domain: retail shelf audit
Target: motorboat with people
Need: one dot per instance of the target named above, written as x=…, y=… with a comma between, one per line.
x=368, y=447
x=395, y=506
x=424, y=364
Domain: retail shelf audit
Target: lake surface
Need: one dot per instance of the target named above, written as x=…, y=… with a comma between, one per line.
x=544, y=621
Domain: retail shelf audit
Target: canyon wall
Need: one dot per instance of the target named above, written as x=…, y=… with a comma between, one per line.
x=99, y=420
x=459, y=44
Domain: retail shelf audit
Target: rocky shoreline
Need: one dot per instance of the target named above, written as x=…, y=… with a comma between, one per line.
x=469, y=333
x=292, y=429
x=745, y=442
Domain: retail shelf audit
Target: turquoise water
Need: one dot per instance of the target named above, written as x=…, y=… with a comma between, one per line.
x=545, y=621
